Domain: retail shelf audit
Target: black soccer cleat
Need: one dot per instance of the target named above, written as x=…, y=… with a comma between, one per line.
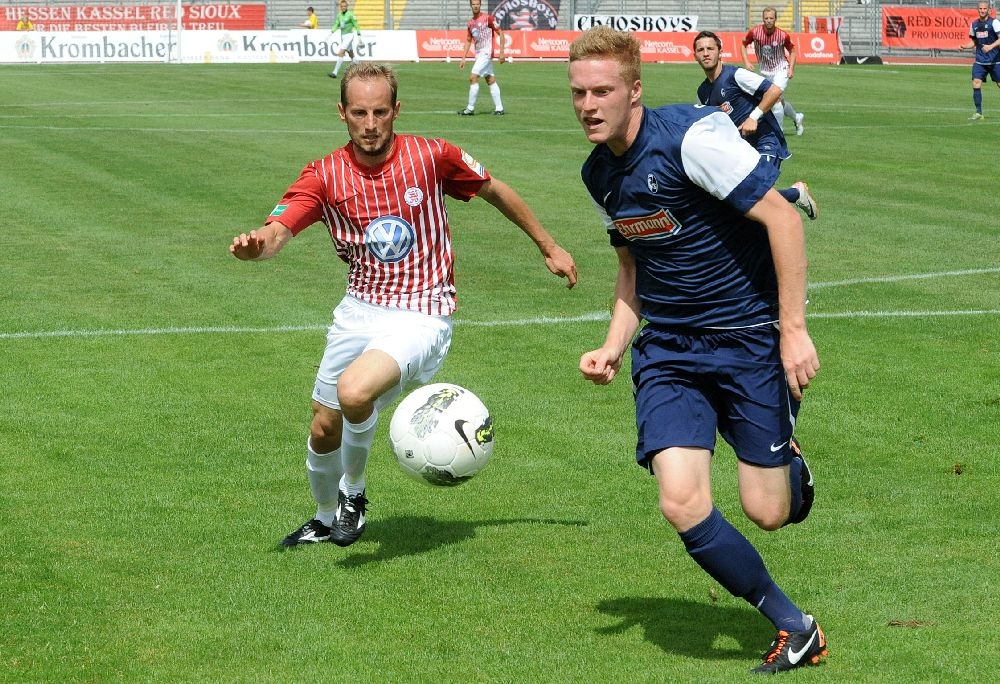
x=498, y=112
x=794, y=649
x=312, y=532
x=466, y=112
x=349, y=524
x=808, y=486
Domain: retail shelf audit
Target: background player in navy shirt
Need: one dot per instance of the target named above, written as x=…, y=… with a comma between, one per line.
x=984, y=36
x=713, y=259
x=747, y=97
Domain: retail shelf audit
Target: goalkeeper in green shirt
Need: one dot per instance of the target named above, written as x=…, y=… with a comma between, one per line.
x=347, y=24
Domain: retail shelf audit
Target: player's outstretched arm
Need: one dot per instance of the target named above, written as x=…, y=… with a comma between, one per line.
x=601, y=366
x=787, y=239
x=262, y=243
x=517, y=211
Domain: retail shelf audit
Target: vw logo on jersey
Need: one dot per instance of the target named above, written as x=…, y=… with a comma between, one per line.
x=651, y=183
x=390, y=238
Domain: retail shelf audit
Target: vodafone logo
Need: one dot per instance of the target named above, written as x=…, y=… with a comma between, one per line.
x=819, y=50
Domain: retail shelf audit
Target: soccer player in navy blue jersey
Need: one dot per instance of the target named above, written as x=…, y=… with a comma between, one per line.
x=712, y=268
x=747, y=97
x=984, y=36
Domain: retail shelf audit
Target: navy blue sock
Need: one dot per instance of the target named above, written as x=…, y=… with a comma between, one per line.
x=795, y=480
x=732, y=561
x=977, y=99
x=790, y=194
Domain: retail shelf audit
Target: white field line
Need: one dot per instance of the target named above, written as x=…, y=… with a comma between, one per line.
x=542, y=320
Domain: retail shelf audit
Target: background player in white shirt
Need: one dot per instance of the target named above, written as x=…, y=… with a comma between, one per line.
x=382, y=198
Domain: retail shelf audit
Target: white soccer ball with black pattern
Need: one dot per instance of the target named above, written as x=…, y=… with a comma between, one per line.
x=442, y=434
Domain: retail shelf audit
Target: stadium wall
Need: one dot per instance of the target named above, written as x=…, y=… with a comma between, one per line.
x=188, y=47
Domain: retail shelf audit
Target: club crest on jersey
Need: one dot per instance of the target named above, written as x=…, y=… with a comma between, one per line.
x=651, y=183
x=473, y=164
x=652, y=227
x=413, y=196
x=390, y=238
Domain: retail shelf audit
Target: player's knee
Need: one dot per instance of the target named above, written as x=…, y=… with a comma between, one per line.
x=683, y=512
x=324, y=431
x=353, y=398
x=768, y=517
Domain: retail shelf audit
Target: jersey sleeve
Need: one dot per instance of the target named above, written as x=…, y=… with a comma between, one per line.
x=748, y=38
x=302, y=204
x=751, y=83
x=461, y=175
x=717, y=159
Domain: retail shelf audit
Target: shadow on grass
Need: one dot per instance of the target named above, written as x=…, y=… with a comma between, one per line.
x=409, y=535
x=688, y=628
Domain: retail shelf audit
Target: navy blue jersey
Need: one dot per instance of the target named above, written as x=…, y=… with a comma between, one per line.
x=983, y=33
x=677, y=199
x=736, y=92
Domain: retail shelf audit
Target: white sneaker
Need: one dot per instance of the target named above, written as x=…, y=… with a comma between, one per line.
x=799, y=128
x=805, y=202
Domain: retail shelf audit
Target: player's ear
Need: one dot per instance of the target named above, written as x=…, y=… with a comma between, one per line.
x=342, y=111
x=636, y=92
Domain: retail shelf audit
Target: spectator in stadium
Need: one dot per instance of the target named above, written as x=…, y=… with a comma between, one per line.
x=24, y=24
x=984, y=37
x=770, y=45
x=713, y=260
x=747, y=97
x=481, y=29
x=312, y=21
x=382, y=199
x=347, y=24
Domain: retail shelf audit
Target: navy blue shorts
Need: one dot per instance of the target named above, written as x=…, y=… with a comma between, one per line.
x=690, y=386
x=981, y=71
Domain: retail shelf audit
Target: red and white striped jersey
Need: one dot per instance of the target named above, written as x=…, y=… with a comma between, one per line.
x=481, y=33
x=389, y=222
x=770, y=48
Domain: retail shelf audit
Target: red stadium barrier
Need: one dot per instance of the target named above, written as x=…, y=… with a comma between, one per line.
x=209, y=16
x=815, y=48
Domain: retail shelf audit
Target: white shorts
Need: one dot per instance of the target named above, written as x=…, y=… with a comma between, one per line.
x=778, y=78
x=483, y=65
x=347, y=42
x=418, y=343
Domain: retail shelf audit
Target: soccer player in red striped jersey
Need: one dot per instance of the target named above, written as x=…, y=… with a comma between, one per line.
x=382, y=198
x=480, y=32
x=770, y=45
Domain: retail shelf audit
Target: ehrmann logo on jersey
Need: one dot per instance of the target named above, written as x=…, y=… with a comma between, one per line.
x=652, y=227
x=390, y=238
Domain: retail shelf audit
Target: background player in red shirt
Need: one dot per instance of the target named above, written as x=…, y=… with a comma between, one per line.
x=382, y=198
x=770, y=44
x=481, y=29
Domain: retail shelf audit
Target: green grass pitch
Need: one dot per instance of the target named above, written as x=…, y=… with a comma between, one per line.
x=155, y=398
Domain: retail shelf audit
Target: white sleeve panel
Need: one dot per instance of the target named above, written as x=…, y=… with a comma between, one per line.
x=715, y=156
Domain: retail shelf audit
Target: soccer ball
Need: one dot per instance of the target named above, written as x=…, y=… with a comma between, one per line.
x=442, y=434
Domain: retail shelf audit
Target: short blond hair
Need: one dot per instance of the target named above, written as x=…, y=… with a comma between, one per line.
x=368, y=71
x=602, y=42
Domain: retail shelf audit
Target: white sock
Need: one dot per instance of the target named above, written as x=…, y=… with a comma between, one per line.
x=473, y=94
x=790, y=110
x=495, y=93
x=324, y=471
x=779, y=113
x=354, y=447
x=340, y=62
